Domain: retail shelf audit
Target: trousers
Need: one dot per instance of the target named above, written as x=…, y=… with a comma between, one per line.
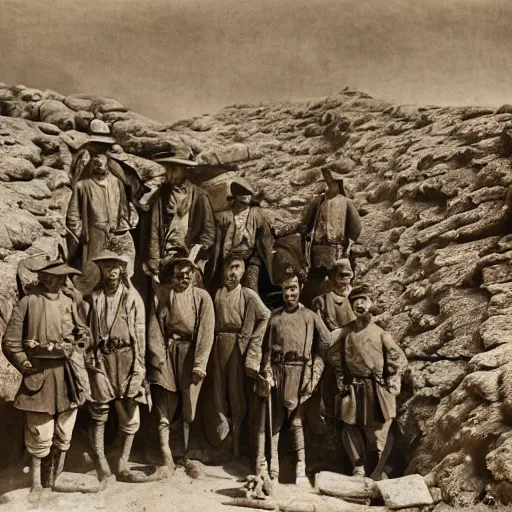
x=128, y=414
x=41, y=429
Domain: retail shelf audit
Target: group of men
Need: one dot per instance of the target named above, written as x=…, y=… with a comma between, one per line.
x=106, y=348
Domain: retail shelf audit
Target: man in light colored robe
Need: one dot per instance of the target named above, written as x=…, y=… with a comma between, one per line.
x=241, y=321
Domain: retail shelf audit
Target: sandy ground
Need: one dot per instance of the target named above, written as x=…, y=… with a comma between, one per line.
x=178, y=493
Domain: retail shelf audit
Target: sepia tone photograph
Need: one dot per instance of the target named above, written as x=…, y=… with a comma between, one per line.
x=256, y=255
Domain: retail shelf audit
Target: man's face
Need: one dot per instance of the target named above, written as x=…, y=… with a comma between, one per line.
x=361, y=306
x=233, y=273
x=99, y=165
x=340, y=281
x=175, y=174
x=182, y=277
x=332, y=187
x=111, y=271
x=51, y=282
x=291, y=292
x=243, y=200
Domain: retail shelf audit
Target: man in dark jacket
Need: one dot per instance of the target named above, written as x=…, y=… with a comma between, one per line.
x=115, y=357
x=44, y=331
x=244, y=230
x=181, y=218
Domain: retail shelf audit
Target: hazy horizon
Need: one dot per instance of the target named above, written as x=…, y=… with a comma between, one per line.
x=176, y=59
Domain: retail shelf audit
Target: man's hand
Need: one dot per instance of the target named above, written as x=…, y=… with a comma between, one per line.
x=197, y=377
x=27, y=368
x=392, y=388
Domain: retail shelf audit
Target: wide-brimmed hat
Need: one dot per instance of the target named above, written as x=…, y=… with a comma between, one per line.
x=99, y=134
x=107, y=255
x=169, y=157
x=343, y=265
x=55, y=267
x=360, y=291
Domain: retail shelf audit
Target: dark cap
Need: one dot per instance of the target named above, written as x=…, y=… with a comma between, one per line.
x=360, y=291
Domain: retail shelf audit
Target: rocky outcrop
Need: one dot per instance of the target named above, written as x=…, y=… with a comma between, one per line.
x=430, y=184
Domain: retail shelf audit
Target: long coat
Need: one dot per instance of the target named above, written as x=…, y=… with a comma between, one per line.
x=248, y=344
x=160, y=369
x=45, y=318
x=257, y=224
x=118, y=373
x=201, y=223
x=370, y=364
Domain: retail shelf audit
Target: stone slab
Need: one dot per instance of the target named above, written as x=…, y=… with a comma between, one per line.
x=404, y=492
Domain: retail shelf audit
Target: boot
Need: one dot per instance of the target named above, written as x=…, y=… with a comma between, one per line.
x=35, y=464
x=186, y=432
x=163, y=432
x=58, y=464
x=123, y=469
x=47, y=470
x=236, y=444
x=97, y=434
x=300, y=469
x=274, y=462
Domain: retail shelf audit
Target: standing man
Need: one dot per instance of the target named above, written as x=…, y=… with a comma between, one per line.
x=331, y=222
x=99, y=211
x=43, y=333
x=369, y=365
x=180, y=338
x=334, y=309
x=241, y=321
x=115, y=358
x=244, y=230
x=181, y=218
x=291, y=356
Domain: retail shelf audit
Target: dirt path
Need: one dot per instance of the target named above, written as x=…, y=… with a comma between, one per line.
x=179, y=493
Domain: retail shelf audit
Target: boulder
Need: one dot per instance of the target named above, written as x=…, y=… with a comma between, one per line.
x=343, y=486
x=408, y=491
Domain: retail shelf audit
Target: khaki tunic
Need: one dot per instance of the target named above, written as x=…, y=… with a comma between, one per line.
x=241, y=321
x=371, y=364
x=179, y=342
x=291, y=352
x=46, y=318
x=119, y=366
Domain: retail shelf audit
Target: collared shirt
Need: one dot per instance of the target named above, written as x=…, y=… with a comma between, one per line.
x=230, y=308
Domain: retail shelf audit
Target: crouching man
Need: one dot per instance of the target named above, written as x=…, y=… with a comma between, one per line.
x=369, y=367
x=180, y=338
x=42, y=336
x=115, y=359
x=291, y=356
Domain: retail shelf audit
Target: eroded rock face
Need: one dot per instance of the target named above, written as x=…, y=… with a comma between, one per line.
x=430, y=184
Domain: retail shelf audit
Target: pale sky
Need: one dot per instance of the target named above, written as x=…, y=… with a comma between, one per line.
x=172, y=59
